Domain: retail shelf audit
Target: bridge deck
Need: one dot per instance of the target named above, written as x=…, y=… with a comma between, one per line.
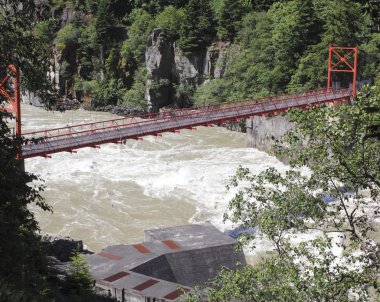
x=93, y=134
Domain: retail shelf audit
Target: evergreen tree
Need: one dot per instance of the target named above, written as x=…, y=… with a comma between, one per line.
x=342, y=24
x=78, y=284
x=104, y=20
x=23, y=262
x=198, y=29
x=171, y=20
x=294, y=28
x=261, y=5
x=133, y=49
x=19, y=45
x=154, y=7
x=230, y=19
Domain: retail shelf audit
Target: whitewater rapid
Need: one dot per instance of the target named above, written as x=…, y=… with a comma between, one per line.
x=111, y=195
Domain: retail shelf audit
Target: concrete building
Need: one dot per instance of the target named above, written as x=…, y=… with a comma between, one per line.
x=168, y=263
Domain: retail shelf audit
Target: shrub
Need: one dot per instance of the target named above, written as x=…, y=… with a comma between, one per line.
x=171, y=20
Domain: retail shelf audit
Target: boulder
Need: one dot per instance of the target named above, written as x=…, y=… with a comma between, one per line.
x=62, y=248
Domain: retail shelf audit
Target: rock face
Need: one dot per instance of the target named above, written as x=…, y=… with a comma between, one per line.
x=262, y=131
x=167, y=67
x=31, y=99
x=62, y=248
x=159, y=58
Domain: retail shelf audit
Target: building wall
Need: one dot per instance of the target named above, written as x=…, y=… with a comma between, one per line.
x=195, y=267
x=158, y=268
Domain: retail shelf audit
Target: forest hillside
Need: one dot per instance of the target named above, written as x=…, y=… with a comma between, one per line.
x=149, y=54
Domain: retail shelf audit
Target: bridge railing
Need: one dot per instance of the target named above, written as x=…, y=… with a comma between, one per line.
x=199, y=115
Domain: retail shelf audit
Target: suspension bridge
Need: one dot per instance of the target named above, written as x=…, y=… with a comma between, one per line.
x=71, y=138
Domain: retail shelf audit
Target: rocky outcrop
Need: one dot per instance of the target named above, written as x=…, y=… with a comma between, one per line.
x=31, y=98
x=167, y=67
x=263, y=131
x=68, y=15
x=67, y=104
x=159, y=58
x=62, y=248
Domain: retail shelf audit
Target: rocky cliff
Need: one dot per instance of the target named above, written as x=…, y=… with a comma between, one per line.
x=168, y=67
x=263, y=131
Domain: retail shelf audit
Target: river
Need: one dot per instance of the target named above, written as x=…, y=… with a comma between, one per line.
x=111, y=195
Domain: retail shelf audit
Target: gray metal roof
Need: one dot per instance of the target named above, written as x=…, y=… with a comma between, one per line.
x=189, y=254
x=187, y=237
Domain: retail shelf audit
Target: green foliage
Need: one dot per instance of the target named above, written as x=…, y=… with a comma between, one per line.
x=229, y=19
x=370, y=64
x=86, y=87
x=110, y=63
x=107, y=92
x=211, y=92
x=183, y=95
x=342, y=23
x=154, y=7
x=198, y=28
x=286, y=48
x=262, y=5
x=294, y=28
x=66, y=70
x=282, y=279
x=136, y=95
x=67, y=36
x=104, y=20
x=283, y=43
x=86, y=50
x=45, y=32
x=19, y=45
x=341, y=148
x=248, y=72
x=78, y=283
x=24, y=267
x=133, y=49
x=171, y=20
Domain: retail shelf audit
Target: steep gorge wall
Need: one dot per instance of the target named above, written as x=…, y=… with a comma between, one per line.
x=263, y=131
x=167, y=67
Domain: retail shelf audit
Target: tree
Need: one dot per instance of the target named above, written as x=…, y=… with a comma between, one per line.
x=336, y=204
x=248, y=72
x=104, y=21
x=67, y=37
x=154, y=7
x=133, y=49
x=198, y=28
x=78, y=283
x=230, y=19
x=23, y=262
x=370, y=57
x=20, y=46
x=342, y=24
x=171, y=20
x=295, y=26
x=261, y=5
